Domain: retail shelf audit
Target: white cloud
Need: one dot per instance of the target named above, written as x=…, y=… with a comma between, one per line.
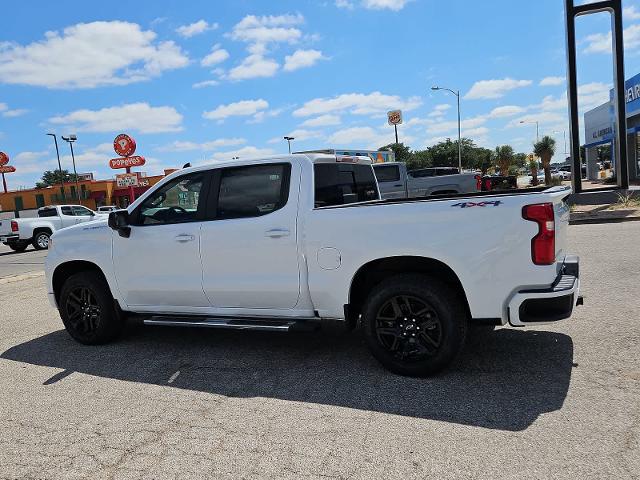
x=181, y=146
x=506, y=111
x=552, y=81
x=394, y=5
x=451, y=126
x=300, y=135
x=439, y=110
x=268, y=28
x=490, y=89
x=254, y=66
x=26, y=157
x=344, y=4
x=243, y=108
x=302, y=59
x=262, y=114
x=357, y=104
x=322, y=121
x=350, y=136
x=631, y=13
x=206, y=83
x=18, y=112
x=139, y=117
x=217, y=55
x=195, y=28
x=243, y=153
x=89, y=55
x=601, y=42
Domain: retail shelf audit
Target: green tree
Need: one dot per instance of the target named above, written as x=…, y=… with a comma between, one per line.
x=51, y=178
x=420, y=159
x=545, y=149
x=403, y=154
x=504, y=158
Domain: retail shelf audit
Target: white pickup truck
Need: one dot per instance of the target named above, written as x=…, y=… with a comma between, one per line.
x=297, y=240
x=19, y=233
x=395, y=181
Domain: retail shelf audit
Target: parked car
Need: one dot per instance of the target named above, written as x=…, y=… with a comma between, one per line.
x=300, y=241
x=395, y=182
x=107, y=209
x=22, y=232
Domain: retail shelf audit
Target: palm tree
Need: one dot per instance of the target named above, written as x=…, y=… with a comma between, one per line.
x=545, y=149
x=504, y=158
x=533, y=166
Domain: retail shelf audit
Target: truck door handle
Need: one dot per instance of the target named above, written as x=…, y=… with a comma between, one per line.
x=185, y=238
x=277, y=233
x=398, y=185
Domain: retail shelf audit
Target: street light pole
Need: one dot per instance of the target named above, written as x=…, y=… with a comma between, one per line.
x=55, y=140
x=537, y=128
x=288, y=139
x=457, y=94
x=70, y=139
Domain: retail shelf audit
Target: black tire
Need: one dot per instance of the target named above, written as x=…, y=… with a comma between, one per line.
x=41, y=240
x=88, y=310
x=18, y=246
x=414, y=325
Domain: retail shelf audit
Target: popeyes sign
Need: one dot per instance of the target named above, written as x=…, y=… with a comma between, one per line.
x=127, y=162
x=125, y=146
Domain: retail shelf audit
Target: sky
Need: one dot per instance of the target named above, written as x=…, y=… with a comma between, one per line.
x=204, y=81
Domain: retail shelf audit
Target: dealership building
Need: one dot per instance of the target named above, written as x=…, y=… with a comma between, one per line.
x=599, y=127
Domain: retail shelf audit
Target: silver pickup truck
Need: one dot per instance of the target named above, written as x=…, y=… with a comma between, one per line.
x=395, y=181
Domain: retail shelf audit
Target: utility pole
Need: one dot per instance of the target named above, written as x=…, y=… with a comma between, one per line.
x=55, y=141
x=70, y=139
x=289, y=139
x=457, y=94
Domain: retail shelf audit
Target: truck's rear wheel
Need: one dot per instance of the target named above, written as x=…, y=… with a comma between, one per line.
x=87, y=309
x=41, y=240
x=19, y=246
x=414, y=325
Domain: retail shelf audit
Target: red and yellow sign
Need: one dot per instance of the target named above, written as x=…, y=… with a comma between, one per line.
x=124, y=145
x=127, y=162
x=4, y=159
x=7, y=169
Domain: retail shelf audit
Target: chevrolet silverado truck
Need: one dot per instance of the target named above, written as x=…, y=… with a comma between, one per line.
x=395, y=181
x=299, y=241
x=19, y=233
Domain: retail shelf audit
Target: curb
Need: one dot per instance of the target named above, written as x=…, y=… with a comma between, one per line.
x=595, y=220
x=19, y=278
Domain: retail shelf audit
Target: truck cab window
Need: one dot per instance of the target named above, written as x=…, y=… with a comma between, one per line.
x=387, y=173
x=253, y=191
x=175, y=202
x=339, y=184
x=68, y=211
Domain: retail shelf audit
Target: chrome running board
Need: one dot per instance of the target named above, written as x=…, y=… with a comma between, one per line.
x=273, y=325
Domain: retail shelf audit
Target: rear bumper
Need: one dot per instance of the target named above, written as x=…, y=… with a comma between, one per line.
x=9, y=238
x=551, y=304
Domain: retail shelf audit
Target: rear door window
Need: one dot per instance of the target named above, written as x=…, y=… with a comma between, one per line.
x=253, y=191
x=47, y=212
x=387, y=173
x=340, y=184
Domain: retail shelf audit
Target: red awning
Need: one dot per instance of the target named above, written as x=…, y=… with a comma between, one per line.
x=124, y=192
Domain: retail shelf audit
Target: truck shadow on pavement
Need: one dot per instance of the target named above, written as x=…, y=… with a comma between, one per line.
x=504, y=380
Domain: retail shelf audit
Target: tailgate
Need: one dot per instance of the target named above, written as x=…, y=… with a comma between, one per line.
x=559, y=197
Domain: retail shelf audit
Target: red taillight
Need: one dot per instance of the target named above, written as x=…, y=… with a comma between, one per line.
x=14, y=226
x=478, y=182
x=543, y=245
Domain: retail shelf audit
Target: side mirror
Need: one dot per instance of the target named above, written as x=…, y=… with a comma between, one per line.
x=119, y=221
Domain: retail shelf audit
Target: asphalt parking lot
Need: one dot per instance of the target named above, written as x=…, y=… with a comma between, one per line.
x=13, y=263
x=558, y=401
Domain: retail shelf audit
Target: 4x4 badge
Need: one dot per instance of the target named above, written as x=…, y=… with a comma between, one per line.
x=477, y=204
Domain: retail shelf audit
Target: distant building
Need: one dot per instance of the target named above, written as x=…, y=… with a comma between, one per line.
x=93, y=193
x=599, y=128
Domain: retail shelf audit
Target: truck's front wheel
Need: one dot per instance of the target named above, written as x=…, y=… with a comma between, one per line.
x=87, y=309
x=414, y=325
